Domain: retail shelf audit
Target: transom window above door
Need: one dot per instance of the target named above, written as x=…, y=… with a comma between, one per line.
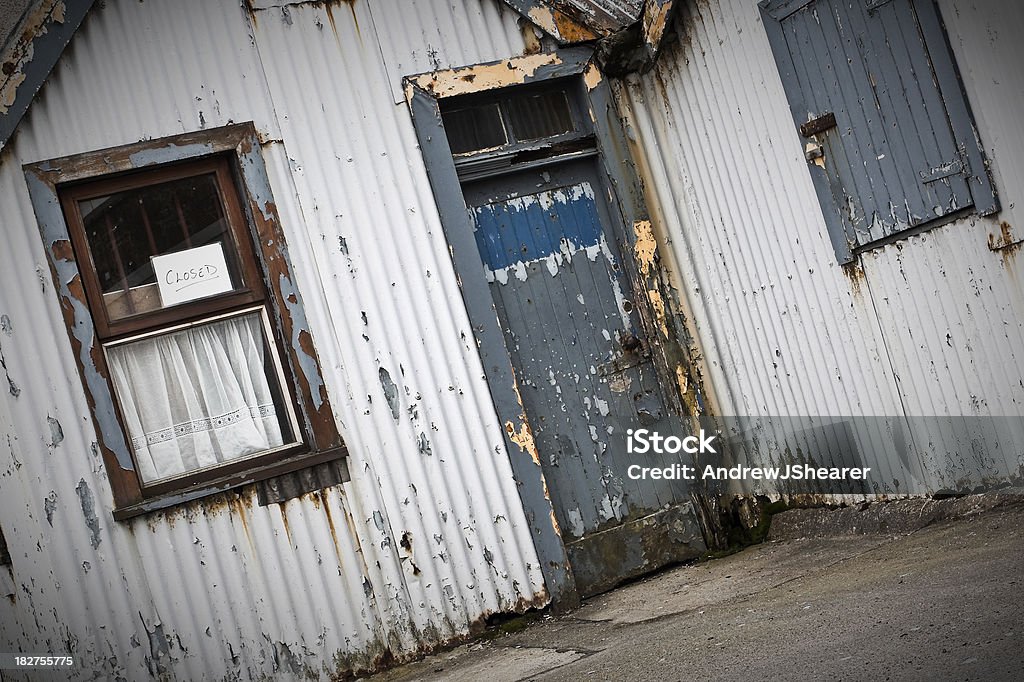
x=499, y=129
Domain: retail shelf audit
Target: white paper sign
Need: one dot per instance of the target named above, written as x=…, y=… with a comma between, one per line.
x=188, y=275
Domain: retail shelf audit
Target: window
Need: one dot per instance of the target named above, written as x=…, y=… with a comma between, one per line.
x=493, y=131
x=209, y=378
x=179, y=307
x=877, y=100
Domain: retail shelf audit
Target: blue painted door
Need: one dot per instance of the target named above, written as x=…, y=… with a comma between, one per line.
x=582, y=364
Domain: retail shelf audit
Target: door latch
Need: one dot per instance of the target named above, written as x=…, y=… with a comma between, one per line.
x=814, y=151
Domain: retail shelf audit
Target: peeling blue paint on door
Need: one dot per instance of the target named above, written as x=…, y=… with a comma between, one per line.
x=576, y=342
x=515, y=230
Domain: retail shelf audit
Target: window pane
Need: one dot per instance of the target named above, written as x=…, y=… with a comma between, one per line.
x=200, y=396
x=474, y=128
x=126, y=229
x=541, y=115
x=5, y=556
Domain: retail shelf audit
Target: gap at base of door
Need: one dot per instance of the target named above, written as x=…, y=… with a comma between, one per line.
x=602, y=560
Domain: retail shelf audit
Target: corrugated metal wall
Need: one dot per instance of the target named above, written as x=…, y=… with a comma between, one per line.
x=429, y=536
x=933, y=325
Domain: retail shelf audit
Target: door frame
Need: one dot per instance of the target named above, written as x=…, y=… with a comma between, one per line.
x=423, y=95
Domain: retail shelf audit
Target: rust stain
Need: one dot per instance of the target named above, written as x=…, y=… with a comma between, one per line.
x=571, y=31
x=241, y=511
x=1005, y=242
x=485, y=77
x=645, y=247
x=330, y=20
x=330, y=524
x=284, y=521
x=855, y=273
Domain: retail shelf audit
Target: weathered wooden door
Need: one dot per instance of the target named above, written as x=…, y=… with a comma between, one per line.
x=557, y=278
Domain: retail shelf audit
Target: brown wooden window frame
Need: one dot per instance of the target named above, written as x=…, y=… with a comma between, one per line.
x=232, y=155
x=252, y=290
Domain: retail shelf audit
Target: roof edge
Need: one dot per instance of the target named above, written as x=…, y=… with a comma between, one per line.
x=27, y=61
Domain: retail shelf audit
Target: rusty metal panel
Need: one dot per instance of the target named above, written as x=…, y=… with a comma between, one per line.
x=429, y=537
x=784, y=331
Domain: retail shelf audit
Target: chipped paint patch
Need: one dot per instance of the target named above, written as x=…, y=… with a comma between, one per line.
x=21, y=50
x=89, y=512
x=544, y=19
x=12, y=387
x=655, y=20
x=56, y=432
x=592, y=77
x=76, y=313
x=10, y=91
x=302, y=342
x=620, y=383
x=423, y=443
x=390, y=391
x=660, y=313
x=168, y=154
x=810, y=149
x=645, y=247
x=682, y=380
x=50, y=506
x=523, y=438
x=484, y=77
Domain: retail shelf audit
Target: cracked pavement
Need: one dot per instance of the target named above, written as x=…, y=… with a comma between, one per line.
x=822, y=600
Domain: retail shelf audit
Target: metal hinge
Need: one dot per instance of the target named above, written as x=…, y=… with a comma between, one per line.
x=818, y=125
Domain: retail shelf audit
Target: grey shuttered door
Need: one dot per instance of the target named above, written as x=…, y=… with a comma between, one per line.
x=877, y=100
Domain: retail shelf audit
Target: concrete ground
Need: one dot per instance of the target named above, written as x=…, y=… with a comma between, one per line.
x=922, y=590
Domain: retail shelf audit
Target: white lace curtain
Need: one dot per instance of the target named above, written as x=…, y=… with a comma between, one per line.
x=196, y=397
